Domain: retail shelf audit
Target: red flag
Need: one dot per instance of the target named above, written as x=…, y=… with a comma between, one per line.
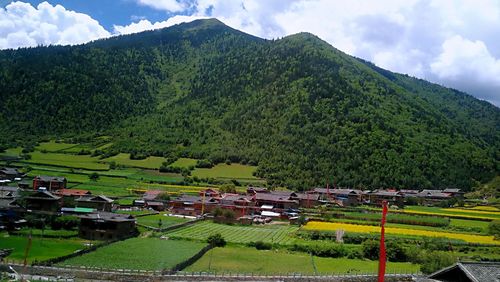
x=382, y=257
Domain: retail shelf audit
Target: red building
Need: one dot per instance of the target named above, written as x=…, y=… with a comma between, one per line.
x=49, y=183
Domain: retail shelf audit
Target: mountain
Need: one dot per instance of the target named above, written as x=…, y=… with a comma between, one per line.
x=305, y=112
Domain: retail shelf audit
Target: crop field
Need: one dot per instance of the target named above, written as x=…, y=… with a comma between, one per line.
x=233, y=171
x=452, y=213
x=153, y=220
x=184, y=162
x=67, y=160
x=148, y=163
x=41, y=248
x=138, y=253
x=331, y=226
x=237, y=234
x=249, y=260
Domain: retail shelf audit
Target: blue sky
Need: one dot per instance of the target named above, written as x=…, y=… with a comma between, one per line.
x=455, y=43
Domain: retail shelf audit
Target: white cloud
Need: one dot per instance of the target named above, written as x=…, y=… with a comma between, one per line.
x=167, y=5
x=22, y=25
x=147, y=25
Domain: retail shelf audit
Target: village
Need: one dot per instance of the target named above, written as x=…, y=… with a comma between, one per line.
x=47, y=195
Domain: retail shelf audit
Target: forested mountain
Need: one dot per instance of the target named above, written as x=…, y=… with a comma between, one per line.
x=305, y=112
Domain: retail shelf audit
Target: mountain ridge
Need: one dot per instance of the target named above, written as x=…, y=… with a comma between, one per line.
x=306, y=112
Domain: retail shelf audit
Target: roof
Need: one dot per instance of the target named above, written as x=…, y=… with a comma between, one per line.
x=9, y=170
x=475, y=271
x=72, y=192
x=434, y=194
x=308, y=196
x=7, y=203
x=50, y=178
x=90, y=198
x=43, y=195
x=452, y=190
x=273, y=197
x=386, y=193
x=257, y=189
x=192, y=199
x=151, y=194
x=236, y=197
x=108, y=216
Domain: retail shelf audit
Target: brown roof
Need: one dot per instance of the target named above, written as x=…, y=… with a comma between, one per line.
x=273, y=197
x=72, y=192
x=109, y=216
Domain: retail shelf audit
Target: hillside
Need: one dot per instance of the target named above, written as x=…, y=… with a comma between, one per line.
x=305, y=112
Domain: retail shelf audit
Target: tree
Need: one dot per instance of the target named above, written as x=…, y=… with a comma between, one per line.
x=494, y=229
x=216, y=240
x=94, y=176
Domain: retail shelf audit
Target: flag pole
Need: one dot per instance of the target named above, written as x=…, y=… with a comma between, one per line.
x=382, y=256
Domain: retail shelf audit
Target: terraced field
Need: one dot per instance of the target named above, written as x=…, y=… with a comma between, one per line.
x=237, y=234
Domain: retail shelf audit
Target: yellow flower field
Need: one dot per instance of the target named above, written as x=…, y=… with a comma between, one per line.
x=332, y=226
x=472, y=211
x=486, y=208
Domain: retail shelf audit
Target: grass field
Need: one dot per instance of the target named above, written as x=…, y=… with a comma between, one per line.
x=452, y=213
x=148, y=163
x=139, y=253
x=67, y=160
x=354, y=228
x=249, y=260
x=52, y=146
x=233, y=171
x=152, y=220
x=237, y=234
x=184, y=162
x=41, y=249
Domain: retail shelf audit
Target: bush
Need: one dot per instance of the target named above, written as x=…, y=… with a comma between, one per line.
x=494, y=229
x=216, y=240
x=434, y=261
x=371, y=249
x=65, y=222
x=259, y=245
x=204, y=163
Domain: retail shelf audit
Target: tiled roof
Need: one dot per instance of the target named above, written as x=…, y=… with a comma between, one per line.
x=475, y=271
x=109, y=216
x=50, y=178
x=71, y=192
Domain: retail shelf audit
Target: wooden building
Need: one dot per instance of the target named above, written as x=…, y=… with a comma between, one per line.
x=49, y=183
x=99, y=203
x=106, y=226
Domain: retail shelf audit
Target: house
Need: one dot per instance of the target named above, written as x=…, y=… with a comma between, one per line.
x=99, y=203
x=10, y=173
x=456, y=193
x=242, y=205
x=51, y=183
x=40, y=201
x=469, y=272
x=254, y=190
x=70, y=195
x=433, y=197
x=280, y=200
x=393, y=198
x=209, y=192
x=106, y=226
x=192, y=205
x=343, y=197
x=8, y=192
x=306, y=200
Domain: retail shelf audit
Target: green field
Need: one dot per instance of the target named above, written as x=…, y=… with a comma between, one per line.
x=232, y=171
x=249, y=260
x=152, y=220
x=53, y=146
x=67, y=160
x=41, y=248
x=184, y=162
x=453, y=212
x=281, y=234
x=148, y=163
x=139, y=253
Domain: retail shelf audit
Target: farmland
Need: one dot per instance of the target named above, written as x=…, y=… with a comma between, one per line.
x=138, y=253
x=237, y=234
x=232, y=171
x=331, y=226
x=124, y=159
x=41, y=248
x=153, y=220
x=249, y=260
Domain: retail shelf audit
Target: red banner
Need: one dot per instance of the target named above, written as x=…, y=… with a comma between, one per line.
x=382, y=256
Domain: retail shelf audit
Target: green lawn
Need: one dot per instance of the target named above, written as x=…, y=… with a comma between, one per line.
x=281, y=234
x=152, y=220
x=12, y=152
x=154, y=175
x=67, y=160
x=52, y=146
x=46, y=232
x=41, y=249
x=233, y=171
x=124, y=159
x=249, y=260
x=139, y=253
x=184, y=162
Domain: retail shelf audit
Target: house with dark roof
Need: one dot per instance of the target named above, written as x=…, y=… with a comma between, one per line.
x=40, y=201
x=469, y=272
x=192, y=205
x=209, y=192
x=393, y=198
x=50, y=183
x=99, y=203
x=342, y=197
x=8, y=192
x=241, y=204
x=433, y=197
x=279, y=200
x=306, y=200
x=10, y=173
x=454, y=192
x=70, y=195
x=106, y=226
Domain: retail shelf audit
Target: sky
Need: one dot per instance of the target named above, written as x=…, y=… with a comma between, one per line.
x=453, y=43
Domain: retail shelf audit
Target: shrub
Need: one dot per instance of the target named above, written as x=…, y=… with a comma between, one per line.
x=216, y=240
x=434, y=261
x=204, y=163
x=494, y=229
x=371, y=249
x=259, y=245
